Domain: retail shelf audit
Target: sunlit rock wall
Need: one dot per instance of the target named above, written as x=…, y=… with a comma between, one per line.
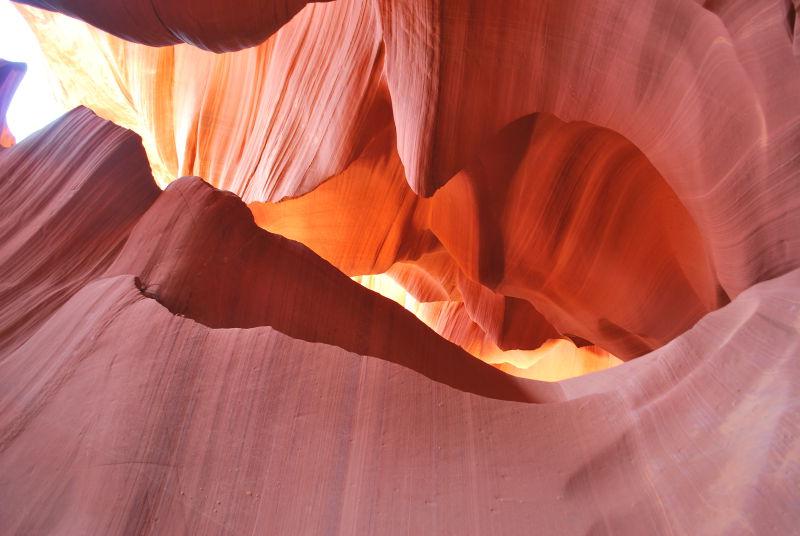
x=554, y=187
x=644, y=149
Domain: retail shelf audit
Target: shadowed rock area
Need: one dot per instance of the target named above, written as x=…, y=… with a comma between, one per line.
x=532, y=189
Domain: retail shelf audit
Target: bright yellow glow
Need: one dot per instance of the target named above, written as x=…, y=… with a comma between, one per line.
x=117, y=90
x=389, y=288
x=82, y=60
x=555, y=360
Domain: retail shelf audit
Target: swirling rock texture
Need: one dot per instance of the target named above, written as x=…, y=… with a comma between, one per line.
x=285, y=108
x=552, y=186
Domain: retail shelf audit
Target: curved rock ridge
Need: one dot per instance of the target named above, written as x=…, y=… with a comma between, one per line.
x=70, y=195
x=11, y=74
x=120, y=414
x=192, y=248
x=555, y=359
x=209, y=24
x=198, y=252
x=549, y=231
x=265, y=123
x=704, y=93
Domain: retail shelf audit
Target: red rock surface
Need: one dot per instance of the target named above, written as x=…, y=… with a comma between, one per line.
x=55, y=243
x=680, y=114
x=550, y=186
x=208, y=376
x=707, y=90
x=210, y=24
x=286, y=121
x=600, y=205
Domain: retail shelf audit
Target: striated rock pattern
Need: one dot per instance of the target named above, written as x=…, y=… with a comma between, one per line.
x=706, y=90
x=55, y=243
x=209, y=377
x=553, y=187
x=294, y=110
x=608, y=228
x=536, y=141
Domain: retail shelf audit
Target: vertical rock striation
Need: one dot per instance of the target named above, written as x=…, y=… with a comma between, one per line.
x=208, y=376
x=547, y=185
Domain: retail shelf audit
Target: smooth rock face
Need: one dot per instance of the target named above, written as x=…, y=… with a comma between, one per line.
x=294, y=110
x=210, y=24
x=707, y=92
x=208, y=376
x=550, y=186
x=567, y=219
x=54, y=243
x=665, y=132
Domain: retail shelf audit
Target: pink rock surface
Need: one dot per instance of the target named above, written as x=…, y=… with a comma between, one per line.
x=394, y=92
x=616, y=173
x=267, y=122
x=706, y=90
x=54, y=243
x=209, y=377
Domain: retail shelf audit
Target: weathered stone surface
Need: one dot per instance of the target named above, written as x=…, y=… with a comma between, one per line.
x=550, y=186
x=214, y=377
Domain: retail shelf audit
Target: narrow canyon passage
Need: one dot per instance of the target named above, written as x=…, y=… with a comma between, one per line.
x=403, y=267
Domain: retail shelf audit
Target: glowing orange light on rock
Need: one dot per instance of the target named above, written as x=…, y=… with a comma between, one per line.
x=555, y=360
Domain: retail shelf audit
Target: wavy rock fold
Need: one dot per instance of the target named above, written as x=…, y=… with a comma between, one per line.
x=529, y=191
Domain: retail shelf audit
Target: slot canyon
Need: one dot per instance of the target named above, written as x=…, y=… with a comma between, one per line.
x=401, y=267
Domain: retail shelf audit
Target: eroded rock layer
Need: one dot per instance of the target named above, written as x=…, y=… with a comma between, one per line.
x=527, y=171
x=194, y=374
x=532, y=246
x=552, y=186
x=294, y=110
